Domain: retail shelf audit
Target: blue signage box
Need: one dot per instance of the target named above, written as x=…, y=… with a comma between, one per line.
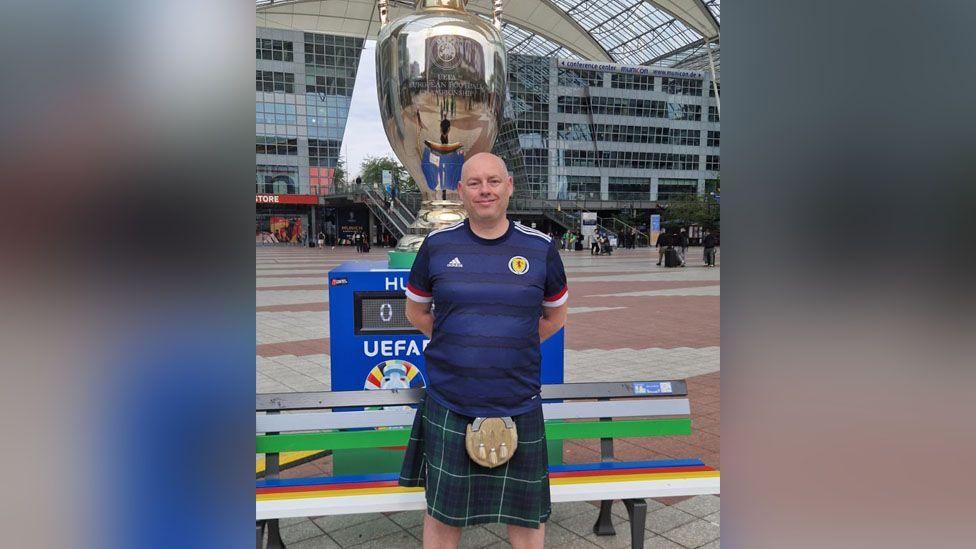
x=372, y=346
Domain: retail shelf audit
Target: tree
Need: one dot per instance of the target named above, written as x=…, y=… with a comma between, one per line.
x=371, y=170
x=692, y=210
x=339, y=175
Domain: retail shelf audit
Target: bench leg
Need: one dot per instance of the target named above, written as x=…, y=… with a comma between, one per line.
x=604, y=526
x=637, y=511
x=274, y=535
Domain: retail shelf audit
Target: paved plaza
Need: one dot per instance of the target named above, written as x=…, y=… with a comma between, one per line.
x=628, y=320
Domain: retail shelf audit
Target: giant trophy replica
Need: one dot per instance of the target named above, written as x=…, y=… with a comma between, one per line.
x=440, y=78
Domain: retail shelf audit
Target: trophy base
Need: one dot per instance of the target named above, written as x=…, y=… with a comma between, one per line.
x=433, y=215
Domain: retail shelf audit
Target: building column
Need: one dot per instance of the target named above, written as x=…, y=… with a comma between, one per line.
x=604, y=187
x=372, y=227
x=654, y=182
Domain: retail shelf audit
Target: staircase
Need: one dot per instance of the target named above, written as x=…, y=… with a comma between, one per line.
x=396, y=218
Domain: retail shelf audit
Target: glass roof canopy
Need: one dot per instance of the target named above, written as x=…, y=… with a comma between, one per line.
x=631, y=32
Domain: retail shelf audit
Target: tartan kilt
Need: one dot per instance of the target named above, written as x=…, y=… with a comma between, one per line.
x=462, y=493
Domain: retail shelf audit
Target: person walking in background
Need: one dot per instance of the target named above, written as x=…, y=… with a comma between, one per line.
x=683, y=244
x=663, y=241
x=579, y=241
x=709, y=243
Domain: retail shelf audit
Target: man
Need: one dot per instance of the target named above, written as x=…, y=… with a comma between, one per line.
x=498, y=289
x=683, y=243
x=663, y=241
x=709, y=243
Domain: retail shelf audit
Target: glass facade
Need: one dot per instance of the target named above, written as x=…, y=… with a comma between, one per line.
x=618, y=133
x=303, y=87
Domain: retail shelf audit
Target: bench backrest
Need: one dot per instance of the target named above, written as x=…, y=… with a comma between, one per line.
x=659, y=404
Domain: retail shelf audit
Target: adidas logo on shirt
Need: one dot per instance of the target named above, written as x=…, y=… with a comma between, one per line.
x=455, y=263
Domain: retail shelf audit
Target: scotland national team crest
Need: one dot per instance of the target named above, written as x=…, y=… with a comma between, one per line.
x=518, y=265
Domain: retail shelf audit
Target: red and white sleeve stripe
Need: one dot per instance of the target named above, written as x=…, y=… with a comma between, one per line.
x=558, y=299
x=418, y=295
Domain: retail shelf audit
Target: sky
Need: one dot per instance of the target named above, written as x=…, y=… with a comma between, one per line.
x=364, y=133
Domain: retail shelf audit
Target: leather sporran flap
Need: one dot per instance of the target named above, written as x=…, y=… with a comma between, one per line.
x=491, y=441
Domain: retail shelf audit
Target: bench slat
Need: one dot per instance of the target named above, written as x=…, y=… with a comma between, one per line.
x=344, y=440
x=395, y=397
x=406, y=499
x=313, y=421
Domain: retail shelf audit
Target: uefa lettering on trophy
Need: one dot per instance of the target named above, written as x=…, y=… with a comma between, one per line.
x=440, y=78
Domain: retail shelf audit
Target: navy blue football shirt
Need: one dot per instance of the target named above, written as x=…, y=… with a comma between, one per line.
x=484, y=356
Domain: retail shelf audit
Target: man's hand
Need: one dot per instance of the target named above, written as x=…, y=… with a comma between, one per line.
x=420, y=315
x=553, y=318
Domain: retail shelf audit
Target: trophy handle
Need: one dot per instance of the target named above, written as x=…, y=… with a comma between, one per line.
x=383, y=8
x=496, y=15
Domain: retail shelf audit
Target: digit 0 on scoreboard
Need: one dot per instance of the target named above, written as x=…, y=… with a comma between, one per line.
x=381, y=313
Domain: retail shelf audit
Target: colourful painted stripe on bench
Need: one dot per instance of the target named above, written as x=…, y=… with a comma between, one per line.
x=390, y=487
x=341, y=440
x=285, y=459
x=553, y=469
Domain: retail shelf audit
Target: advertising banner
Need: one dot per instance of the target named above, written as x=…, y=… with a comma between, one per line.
x=655, y=228
x=588, y=223
x=350, y=221
x=286, y=228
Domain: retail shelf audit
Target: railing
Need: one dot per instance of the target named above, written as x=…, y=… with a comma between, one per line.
x=388, y=216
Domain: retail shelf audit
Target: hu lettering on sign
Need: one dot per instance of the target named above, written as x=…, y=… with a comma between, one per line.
x=393, y=284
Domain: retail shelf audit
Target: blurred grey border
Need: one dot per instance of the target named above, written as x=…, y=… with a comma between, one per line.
x=847, y=313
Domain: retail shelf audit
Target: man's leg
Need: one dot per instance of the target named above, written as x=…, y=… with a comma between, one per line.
x=438, y=535
x=526, y=538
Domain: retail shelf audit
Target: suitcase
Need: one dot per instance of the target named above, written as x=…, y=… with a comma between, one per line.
x=671, y=258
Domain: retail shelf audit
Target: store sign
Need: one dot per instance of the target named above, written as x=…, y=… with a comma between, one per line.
x=286, y=199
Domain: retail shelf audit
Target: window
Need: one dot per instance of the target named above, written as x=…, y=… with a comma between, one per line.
x=713, y=114
x=629, y=188
x=631, y=81
x=713, y=138
x=711, y=89
x=712, y=163
x=574, y=132
x=573, y=105
x=275, y=113
x=274, y=50
x=331, y=63
x=680, y=111
x=276, y=145
x=323, y=152
x=681, y=86
x=578, y=78
x=580, y=186
x=269, y=81
x=673, y=189
x=577, y=158
x=276, y=179
x=685, y=137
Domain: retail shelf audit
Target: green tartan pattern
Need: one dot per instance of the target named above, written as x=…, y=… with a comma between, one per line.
x=462, y=493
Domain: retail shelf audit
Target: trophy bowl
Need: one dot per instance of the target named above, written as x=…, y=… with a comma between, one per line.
x=440, y=77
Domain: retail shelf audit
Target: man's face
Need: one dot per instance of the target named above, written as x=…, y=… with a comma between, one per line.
x=485, y=188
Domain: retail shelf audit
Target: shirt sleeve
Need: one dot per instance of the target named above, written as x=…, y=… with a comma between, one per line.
x=556, y=291
x=419, y=288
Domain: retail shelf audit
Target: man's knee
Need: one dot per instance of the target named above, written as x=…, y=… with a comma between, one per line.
x=521, y=537
x=438, y=535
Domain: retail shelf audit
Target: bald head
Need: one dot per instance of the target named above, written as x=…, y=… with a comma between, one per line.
x=483, y=161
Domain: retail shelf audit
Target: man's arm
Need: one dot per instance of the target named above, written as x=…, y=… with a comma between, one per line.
x=420, y=315
x=553, y=318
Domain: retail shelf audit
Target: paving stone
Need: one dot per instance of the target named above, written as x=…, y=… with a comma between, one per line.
x=561, y=538
x=711, y=545
x=299, y=531
x=694, y=534
x=653, y=541
x=366, y=531
x=714, y=518
x=700, y=506
x=332, y=523
x=407, y=519
x=499, y=545
x=561, y=511
x=398, y=540
x=667, y=518
x=318, y=542
x=475, y=537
